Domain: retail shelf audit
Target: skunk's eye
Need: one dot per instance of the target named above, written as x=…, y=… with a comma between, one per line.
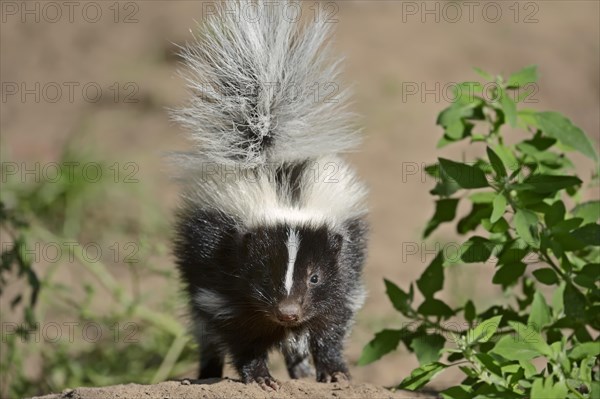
x=314, y=279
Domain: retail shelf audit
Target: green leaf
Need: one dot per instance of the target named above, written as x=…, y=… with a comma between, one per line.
x=566, y=226
x=538, y=144
x=528, y=368
x=501, y=226
x=588, y=234
x=513, y=348
x=432, y=279
x=479, y=211
x=580, y=351
x=547, y=184
x=507, y=156
x=445, y=186
x=484, y=330
x=526, y=225
x=476, y=249
x=489, y=364
x=555, y=213
x=546, y=276
x=508, y=274
x=457, y=392
x=384, y=342
x=588, y=276
x=400, y=299
x=465, y=92
x=499, y=205
x=513, y=252
x=435, y=307
x=561, y=128
x=528, y=198
x=595, y=389
x=459, y=111
x=588, y=211
x=532, y=338
x=421, y=376
x=466, y=176
x=509, y=107
x=558, y=299
x=444, y=141
x=574, y=302
x=445, y=211
x=547, y=389
x=469, y=311
x=496, y=163
x=523, y=77
x=540, y=312
x=427, y=348
x=482, y=197
x=456, y=131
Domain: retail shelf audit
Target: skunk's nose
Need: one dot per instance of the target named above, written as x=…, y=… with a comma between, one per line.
x=288, y=312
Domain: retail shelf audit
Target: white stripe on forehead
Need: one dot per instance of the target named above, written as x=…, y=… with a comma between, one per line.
x=293, y=244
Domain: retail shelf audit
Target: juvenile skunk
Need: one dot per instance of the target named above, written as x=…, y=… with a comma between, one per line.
x=271, y=235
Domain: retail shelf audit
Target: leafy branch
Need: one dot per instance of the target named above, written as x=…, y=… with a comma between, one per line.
x=519, y=195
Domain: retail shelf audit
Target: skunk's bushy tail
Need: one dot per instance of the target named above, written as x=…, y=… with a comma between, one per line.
x=264, y=89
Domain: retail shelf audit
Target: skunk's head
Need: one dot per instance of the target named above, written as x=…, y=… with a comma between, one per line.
x=293, y=273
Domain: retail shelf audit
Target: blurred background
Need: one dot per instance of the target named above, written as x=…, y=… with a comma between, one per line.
x=90, y=295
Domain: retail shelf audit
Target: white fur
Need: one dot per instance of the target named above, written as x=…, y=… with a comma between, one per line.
x=296, y=343
x=356, y=300
x=328, y=195
x=213, y=303
x=293, y=244
x=233, y=175
x=280, y=61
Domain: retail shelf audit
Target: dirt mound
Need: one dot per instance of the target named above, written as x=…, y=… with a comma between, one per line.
x=226, y=388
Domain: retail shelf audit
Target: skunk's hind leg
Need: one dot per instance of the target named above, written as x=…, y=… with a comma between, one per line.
x=297, y=357
x=211, y=363
x=211, y=354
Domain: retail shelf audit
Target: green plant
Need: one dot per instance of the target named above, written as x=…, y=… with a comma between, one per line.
x=529, y=220
x=54, y=323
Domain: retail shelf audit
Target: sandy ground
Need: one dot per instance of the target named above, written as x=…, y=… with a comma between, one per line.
x=386, y=49
x=226, y=389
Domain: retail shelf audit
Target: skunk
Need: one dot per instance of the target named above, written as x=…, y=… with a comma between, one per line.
x=271, y=234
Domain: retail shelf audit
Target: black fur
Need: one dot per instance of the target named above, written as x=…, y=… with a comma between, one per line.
x=231, y=253
x=246, y=269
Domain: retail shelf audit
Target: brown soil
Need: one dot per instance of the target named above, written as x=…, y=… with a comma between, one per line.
x=226, y=388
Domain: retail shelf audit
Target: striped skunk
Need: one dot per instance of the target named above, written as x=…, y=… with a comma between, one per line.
x=271, y=235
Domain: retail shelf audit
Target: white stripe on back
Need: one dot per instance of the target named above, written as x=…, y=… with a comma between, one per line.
x=292, y=246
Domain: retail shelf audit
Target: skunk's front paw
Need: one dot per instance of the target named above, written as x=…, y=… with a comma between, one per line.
x=333, y=375
x=262, y=377
x=256, y=370
x=267, y=383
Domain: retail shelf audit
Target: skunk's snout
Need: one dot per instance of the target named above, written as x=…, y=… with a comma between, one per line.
x=288, y=312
